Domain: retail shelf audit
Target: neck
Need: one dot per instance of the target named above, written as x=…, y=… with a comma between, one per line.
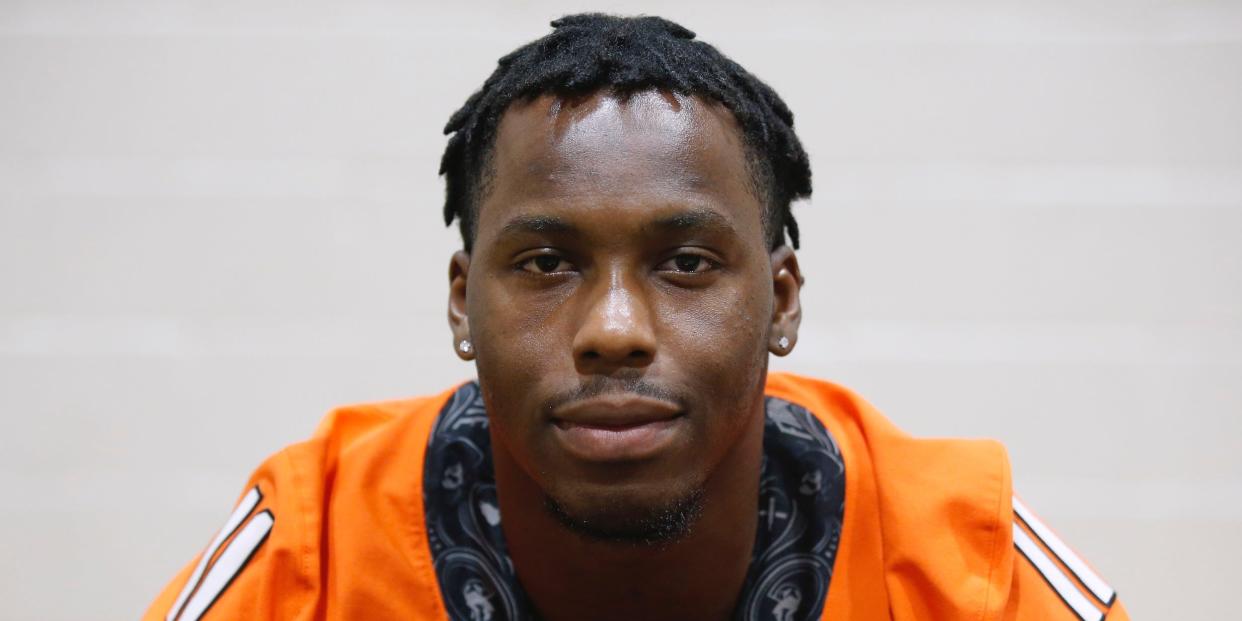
x=699, y=576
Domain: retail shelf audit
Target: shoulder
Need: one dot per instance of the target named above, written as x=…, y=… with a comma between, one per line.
x=923, y=518
x=267, y=559
x=892, y=460
x=348, y=426
x=935, y=525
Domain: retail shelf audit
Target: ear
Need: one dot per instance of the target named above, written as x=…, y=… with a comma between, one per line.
x=786, y=301
x=459, y=320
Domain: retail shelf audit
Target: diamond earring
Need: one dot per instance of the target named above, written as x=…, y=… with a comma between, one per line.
x=783, y=343
x=464, y=346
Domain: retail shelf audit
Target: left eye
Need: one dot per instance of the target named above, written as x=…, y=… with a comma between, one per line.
x=545, y=264
x=687, y=264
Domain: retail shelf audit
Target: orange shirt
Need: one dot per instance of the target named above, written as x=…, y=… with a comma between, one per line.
x=333, y=528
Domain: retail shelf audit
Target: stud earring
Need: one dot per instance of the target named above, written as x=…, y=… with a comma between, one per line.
x=783, y=343
x=464, y=346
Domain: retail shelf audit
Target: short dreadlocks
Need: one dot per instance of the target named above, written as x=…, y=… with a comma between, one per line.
x=592, y=51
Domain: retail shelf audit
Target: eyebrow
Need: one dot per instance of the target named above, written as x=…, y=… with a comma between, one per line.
x=537, y=224
x=691, y=220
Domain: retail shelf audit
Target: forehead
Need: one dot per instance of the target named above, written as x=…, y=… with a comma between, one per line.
x=648, y=150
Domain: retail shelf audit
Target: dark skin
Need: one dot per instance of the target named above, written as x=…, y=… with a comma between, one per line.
x=622, y=299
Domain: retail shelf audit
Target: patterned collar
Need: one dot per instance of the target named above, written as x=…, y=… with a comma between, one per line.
x=801, y=502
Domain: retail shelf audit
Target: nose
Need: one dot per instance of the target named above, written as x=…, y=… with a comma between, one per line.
x=616, y=330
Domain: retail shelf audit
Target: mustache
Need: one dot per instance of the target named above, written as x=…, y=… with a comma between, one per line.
x=597, y=386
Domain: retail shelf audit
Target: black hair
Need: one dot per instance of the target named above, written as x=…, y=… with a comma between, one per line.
x=592, y=51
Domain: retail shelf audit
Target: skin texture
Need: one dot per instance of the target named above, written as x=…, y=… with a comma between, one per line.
x=620, y=269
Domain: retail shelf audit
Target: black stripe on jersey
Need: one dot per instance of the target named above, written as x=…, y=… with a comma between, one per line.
x=1076, y=566
x=201, y=569
x=246, y=561
x=1052, y=574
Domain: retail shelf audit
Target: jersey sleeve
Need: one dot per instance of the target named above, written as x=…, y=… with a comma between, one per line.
x=1051, y=582
x=260, y=564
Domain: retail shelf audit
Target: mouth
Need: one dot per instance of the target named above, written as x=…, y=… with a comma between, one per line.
x=617, y=428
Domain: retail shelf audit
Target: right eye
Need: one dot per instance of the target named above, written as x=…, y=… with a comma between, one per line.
x=545, y=264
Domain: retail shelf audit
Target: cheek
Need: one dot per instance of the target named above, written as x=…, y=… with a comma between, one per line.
x=507, y=323
x=724, y=324
x=720, y=343
x=518, y=345
x=721, y=349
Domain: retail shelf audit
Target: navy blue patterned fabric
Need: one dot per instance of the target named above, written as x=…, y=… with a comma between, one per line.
x=801, y=503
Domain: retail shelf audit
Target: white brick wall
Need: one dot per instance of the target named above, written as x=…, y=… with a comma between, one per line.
x=217, y=220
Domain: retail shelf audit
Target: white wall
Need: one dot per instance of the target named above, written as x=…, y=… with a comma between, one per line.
x=219, y=219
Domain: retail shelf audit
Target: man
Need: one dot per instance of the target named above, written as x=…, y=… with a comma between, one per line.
x=623, y=194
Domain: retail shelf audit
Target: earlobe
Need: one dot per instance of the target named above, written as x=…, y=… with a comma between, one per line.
x=787, y=283
x=458, y=317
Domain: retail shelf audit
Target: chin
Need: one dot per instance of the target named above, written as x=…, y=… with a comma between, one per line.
x=629, y=516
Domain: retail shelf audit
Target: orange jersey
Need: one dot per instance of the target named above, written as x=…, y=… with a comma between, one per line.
x=334, y=528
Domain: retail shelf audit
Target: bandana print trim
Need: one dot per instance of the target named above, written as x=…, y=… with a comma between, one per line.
x=801, y=503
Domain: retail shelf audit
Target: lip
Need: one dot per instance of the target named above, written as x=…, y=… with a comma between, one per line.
x=617, y=427
x=615, y=411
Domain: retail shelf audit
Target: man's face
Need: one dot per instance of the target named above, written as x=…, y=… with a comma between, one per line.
x=620, y=300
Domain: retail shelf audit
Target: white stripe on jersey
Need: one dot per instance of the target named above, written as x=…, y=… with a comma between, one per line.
x=243, y=510
x=1055, y=577
x=231, y=561
x=1089, y=578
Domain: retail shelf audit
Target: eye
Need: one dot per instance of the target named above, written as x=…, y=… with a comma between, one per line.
x=687, y=263
x=545, y=264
